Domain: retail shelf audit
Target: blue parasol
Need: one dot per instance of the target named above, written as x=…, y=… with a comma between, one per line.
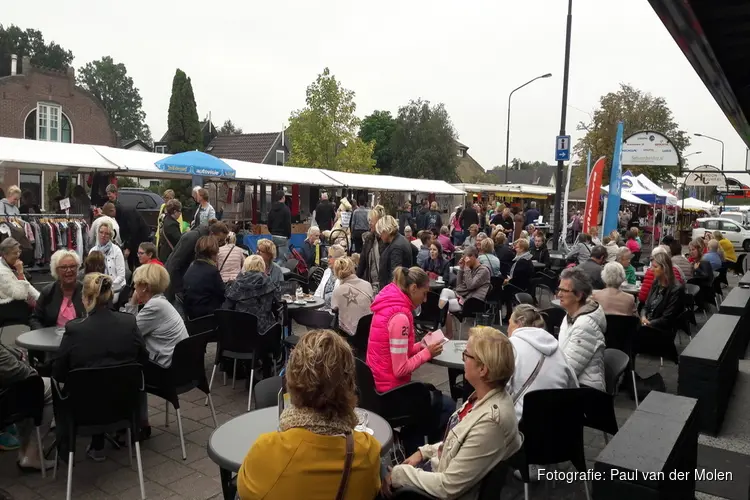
x=195, y=163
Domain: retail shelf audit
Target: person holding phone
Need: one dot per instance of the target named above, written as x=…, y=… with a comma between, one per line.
x=392, y=352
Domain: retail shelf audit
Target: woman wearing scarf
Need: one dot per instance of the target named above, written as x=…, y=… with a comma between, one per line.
x=114, y=261
x=519, y=277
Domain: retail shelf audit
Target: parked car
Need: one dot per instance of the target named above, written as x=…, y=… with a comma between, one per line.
x=144, y=201
x=739, y=217
x=733, y=231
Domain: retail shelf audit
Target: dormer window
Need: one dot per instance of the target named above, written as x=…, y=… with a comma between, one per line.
x=461, y=152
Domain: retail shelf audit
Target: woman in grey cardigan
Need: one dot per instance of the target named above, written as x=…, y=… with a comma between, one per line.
x=158, y=321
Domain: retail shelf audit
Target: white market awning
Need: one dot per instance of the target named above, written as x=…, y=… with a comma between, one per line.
x=248, y=171
x=58, y=156
x=694, y=204
x=531, y=189
x=625, y=196
x=391, y=183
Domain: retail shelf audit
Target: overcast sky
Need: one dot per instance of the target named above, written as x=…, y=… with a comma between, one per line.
x=251, y=61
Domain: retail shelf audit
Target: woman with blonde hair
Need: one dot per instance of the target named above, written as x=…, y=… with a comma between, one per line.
x=352, y=297
x=253, y=292
x=267, y=250
x=306, y=456
x=398, y=252
x=9, y=204
x=480, y=434
x=114, y=261
x=230, y=259
x=103, y=338
x=369, y=263
x=329, y=283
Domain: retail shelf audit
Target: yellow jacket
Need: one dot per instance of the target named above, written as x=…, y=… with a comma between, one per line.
x=728, y=248
x=297, y=463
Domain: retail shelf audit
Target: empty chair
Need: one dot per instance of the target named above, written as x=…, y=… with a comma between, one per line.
x=523, y=298
x=552, y=425
x=98, y=400
x=203, y=324
x=313, y=318
x=266, y=392
x=430, y=315
x=599, y=412
x=470, y=309
x=239, y=340
x=620, y=334
x=553, y=318
x=184, y=374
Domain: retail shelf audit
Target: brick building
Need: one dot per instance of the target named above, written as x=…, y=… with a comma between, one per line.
x=46, y=105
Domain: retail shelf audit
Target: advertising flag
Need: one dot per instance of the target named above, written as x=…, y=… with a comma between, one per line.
x=593, y=193
x=615, y=185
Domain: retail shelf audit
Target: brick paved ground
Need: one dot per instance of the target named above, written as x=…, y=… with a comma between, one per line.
x=167, y=476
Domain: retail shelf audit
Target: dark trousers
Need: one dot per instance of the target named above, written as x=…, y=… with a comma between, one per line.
x=357, y=240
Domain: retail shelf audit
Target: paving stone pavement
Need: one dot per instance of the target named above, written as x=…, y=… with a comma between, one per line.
x=167, y=476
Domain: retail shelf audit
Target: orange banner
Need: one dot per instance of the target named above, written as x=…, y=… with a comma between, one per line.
x=593, y=193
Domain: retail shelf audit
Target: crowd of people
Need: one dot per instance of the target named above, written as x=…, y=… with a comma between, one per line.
x=115, y=309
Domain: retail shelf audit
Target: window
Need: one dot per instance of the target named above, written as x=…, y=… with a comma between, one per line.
x=162, y=148
x=460, y=153
x=712, y=225
x=730, y=226
x=48, y=123
x=280, y=156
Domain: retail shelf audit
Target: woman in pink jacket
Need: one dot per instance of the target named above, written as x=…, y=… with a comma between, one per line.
x=392, y=353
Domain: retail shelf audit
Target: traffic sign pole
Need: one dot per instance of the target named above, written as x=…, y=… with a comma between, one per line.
x=563, y=116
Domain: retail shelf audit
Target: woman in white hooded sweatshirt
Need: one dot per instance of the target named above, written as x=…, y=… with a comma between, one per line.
x=540, y=364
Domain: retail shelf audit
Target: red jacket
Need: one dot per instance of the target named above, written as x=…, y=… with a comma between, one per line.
x=648, y=280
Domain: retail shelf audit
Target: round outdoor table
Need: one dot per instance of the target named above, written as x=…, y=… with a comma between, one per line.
x=229, y=444
x=316, y=303
x=451, y=357
x=437, y=285
x=556, y=302
x=44, y=339
x=631, y=289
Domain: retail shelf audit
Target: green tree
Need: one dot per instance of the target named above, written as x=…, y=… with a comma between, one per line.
x=110, y=83
x=30, y=42
x=639, y=111
x=324, y=132
x=127, y=182
x=229, y=128
x=378, y=128
x=183, y=127
x=423, y=142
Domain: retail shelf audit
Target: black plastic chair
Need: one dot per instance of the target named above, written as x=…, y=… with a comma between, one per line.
x=22, y=400
x=599, y=412
x=314, y=277
x=471, y=309
x=186, y=373
x=314, y=318
x=239, y=340
x=288, y=287
x=621, y=333
x=203, y=324
x=552, y=425
x=616, y=363
x=430, y=315
x=553, y=318
x=266, y=392
x=299, y=279
x=408, y=404
x=359, y=340
x=523, y=298
x=494, y=297
x=98, y=400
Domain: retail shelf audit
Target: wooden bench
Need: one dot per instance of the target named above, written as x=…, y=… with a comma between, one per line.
x=737, y=303
x=658, y=441
x=708, y=369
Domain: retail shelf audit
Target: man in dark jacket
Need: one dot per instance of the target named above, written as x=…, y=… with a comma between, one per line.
x=532, y=214
x=468, y=217
x=280, y=225
x=181, y=258
x=324, y=213
x=433, y=219
x=396, y=253
x=422, y=216
x=405, y=219
x=593, y=266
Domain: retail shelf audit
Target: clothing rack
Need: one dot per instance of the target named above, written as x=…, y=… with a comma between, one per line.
x=43, y=268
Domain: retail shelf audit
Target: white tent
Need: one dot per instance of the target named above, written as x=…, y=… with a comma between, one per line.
x=694, y=204
x=280, y=174
x=391, y=183
x=59, y=156
x=627, y=197
x=643, y=188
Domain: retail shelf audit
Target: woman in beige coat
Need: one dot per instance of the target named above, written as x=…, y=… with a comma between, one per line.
x=482, y=433
x=352, y=297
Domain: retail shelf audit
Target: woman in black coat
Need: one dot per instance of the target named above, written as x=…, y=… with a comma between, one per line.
x=397, y=253
x=504, y=253
x=170, y=229
x=203, y=286
x=102, y=339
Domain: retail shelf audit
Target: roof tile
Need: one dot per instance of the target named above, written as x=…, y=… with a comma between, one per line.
x=244, y=147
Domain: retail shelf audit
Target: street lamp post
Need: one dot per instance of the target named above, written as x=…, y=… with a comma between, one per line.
x=563, y=115
x=717, y=140
x=507, y=134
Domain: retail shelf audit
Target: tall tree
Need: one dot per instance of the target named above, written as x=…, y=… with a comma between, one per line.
x=324, y=133
x=229, y=128
x=30, y=42
x=639, y=111
x=378, y=128
x=423, y=142
x=183, y=127
x=110, y=83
